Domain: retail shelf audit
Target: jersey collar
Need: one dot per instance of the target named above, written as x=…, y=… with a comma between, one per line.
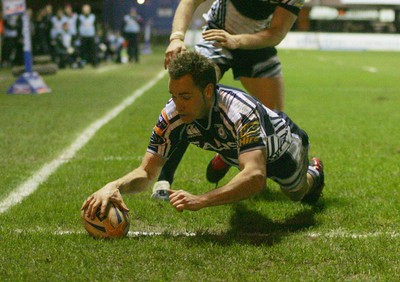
x=214, y=108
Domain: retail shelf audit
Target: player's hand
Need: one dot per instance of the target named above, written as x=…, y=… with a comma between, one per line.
x=221, y=38
x=101, y=198
x=182, y=200
x=175, y=47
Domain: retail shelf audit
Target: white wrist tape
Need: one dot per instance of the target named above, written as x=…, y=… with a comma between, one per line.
x=160, y=190
x=177, y=35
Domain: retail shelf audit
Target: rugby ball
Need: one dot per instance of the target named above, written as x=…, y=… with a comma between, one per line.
x=115, y=223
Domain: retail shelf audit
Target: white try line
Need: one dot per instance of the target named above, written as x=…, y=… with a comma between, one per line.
x=332, y=234
x=107, y=68
x=370, y=69
x=32, y=183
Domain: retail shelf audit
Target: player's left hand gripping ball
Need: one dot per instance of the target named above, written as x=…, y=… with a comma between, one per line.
x=115, y=223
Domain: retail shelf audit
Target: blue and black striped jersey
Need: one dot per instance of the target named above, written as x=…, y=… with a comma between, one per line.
x=237, y=123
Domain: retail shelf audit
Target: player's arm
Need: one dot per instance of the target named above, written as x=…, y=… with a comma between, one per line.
x=183, y=16
x=134, y=182
x=281, y=23
x=249, y=181
x=140, y=179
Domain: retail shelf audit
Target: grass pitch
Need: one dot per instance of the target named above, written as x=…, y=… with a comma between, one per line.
x=346, y=101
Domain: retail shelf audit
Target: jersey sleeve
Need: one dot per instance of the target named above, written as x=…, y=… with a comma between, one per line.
x=166, y=135
x=250, y=135
x=293, y=6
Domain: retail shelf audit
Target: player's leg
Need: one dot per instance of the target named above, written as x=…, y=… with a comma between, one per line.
x=307, y=179
x=269, y=90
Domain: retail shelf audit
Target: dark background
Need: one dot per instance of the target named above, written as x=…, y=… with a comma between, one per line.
x=111, y=12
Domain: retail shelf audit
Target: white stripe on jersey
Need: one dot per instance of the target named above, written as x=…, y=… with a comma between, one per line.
x=235, y=103
x=236, y=23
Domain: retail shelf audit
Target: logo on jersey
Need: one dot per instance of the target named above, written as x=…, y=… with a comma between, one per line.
x=192, y=130
x=217, y=146
x=221, y=131
x=162, y=124
x=249, y=133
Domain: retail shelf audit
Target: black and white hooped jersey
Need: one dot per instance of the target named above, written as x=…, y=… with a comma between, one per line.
x=237, y=123
x=246, y=16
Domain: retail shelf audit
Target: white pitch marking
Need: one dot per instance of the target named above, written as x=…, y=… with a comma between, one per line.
x=32, y=183
x=329, y=234
x=106, y=68
x=121, y=158
x=131, y=233
x=344, y=234
x=370, y=69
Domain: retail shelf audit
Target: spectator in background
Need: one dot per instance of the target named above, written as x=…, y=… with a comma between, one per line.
x=131, y=31
x=72, y=20
x=1, y=24
x=12, y=36
x=40, y=42
x=64, y=48
x=397, y=20
x=87, y=35
x=47, y=18
x=1, y=35
x=57, y=22
x=115, y=44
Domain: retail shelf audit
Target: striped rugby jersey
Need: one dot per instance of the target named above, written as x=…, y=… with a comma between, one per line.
x=246, y=16
x=237, y=123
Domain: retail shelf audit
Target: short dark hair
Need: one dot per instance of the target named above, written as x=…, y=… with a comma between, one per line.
x=199, y=67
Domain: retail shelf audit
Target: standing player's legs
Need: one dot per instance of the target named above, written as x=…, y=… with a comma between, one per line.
x=260, y=72
x=269, y=90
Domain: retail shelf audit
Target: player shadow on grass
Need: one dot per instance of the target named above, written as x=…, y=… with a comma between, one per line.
x=252, y=228
x=270, y=195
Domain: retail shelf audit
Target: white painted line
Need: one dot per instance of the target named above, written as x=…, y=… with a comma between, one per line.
x=344, y=234
x=329, y=234
x=130, y=233
x=370, y=69
x=122, y=158
x=33, y=182
x=152, y=234
x=107, y=68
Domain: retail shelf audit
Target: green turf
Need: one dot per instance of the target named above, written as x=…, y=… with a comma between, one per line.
x=353, y=234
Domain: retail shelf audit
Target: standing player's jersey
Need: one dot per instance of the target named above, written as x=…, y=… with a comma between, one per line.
x=247, y=16
x=237, y=123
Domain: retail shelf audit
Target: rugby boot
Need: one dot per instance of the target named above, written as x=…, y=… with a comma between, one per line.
x=217, y=169
x=316, y=169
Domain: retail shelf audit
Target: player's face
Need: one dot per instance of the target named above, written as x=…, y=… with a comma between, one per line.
x=191, y=103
